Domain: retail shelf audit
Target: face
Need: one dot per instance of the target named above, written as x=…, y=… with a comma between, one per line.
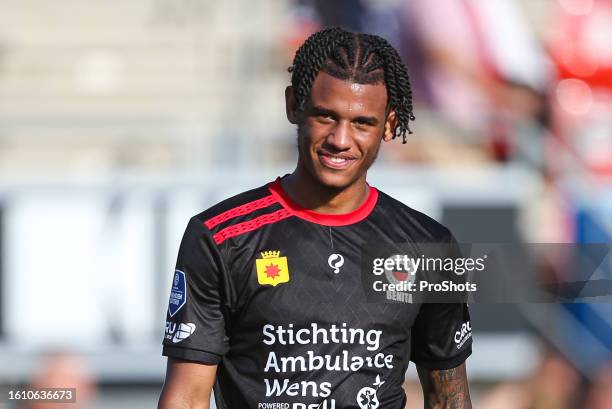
x=340, y=129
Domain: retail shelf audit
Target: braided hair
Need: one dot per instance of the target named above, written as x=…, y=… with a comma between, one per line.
x=358, y=57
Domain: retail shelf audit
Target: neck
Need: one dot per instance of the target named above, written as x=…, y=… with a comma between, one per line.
x=310, y=194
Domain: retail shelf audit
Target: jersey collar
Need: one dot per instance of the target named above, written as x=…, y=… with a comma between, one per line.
x=343, y=219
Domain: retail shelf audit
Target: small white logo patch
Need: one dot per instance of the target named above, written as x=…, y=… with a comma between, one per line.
x=183, y=332
x=464, y=333
x=335, y=261
x=179, y=332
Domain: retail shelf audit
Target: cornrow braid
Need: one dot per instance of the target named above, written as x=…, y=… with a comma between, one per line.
x=360, y=58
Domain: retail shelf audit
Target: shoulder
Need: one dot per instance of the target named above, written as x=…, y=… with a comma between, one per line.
x=240, y=214
x=415, y=222
x=238, y=208
x=235, y=206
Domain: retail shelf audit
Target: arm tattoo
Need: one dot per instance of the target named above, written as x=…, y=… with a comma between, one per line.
x=445, y=389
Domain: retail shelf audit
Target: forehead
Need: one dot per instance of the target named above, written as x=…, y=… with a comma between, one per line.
x=333, y=93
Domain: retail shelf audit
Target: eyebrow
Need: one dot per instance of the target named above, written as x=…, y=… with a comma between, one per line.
x=318, y=110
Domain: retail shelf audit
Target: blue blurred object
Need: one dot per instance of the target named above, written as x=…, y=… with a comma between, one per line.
x=591, y=340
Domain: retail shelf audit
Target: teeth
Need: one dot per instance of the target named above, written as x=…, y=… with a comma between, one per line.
x=336, y=159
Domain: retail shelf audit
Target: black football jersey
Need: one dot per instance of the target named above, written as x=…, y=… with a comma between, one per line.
x=272, y=293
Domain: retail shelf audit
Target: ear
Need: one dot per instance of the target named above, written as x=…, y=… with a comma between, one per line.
x=290, y=105
x=390, y=124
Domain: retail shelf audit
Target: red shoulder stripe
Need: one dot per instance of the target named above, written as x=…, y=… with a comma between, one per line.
x=240, y=211
x=250, y=225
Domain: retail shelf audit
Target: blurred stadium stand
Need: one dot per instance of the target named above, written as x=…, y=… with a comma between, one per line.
x=150, y=84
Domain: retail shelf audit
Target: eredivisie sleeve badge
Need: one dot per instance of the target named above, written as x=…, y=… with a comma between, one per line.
x=271, y=268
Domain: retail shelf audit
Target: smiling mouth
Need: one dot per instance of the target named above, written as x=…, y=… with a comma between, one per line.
x=335, y=161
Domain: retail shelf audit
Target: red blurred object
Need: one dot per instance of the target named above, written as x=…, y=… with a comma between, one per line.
x=300, y=29
x=500, y=142
x=581, y=44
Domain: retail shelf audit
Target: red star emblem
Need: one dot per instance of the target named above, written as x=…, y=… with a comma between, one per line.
x=272, y=270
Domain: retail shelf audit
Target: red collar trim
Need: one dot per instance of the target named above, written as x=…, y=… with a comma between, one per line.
x=344, y=219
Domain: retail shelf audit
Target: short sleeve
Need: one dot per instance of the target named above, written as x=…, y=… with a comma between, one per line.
x=198, y=308
x=441, y=337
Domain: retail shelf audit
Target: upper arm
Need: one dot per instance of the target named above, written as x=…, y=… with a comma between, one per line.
x=188, y=385
x=198, y=311
x=441, y=341
x=195, y=338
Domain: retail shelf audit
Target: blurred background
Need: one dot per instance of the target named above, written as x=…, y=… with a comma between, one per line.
x=121, y=119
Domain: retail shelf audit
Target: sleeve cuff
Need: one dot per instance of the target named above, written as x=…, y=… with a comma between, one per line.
x=191, y=355
x=446, y=363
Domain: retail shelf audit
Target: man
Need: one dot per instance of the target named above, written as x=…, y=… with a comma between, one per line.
x=267, y=301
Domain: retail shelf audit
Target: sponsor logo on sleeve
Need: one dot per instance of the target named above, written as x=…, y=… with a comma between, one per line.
x=178, y=294
x=463, y=334
x=178, y=332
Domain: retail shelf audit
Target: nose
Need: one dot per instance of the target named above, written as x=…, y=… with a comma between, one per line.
x=340, y=136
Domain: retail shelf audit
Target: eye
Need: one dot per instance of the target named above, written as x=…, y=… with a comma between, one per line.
x=362, y=123
x=323, y=117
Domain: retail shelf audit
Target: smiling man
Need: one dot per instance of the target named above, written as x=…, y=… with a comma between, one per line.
x=267, y=304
